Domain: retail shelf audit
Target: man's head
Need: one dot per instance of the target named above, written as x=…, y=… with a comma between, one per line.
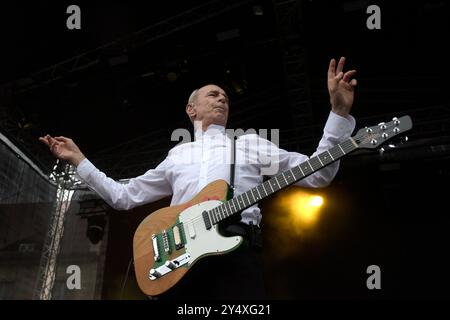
x=208, y=105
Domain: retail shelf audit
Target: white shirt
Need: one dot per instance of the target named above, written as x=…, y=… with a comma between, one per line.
x=189, y=167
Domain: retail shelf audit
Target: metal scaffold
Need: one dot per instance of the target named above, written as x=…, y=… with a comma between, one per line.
x=64, y=176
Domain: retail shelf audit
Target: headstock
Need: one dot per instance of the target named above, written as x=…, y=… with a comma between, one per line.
x=375, y=136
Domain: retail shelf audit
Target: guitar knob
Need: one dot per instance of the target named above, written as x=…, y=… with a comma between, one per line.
x=155, y=273
x=396, y=130
x=384, y=135
x=169, y=264
x=373, y=141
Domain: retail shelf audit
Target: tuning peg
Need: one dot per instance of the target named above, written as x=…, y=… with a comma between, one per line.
x=396, y=130
x=382, y=125
x=368, y=130
x=384, y=135
x=373, y=141
x=396, y=121
x=404, y=139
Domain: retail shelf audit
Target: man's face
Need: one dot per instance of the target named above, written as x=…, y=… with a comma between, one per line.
x=210, y=106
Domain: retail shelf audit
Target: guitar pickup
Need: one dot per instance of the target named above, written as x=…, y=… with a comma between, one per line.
x=177, y=237
x=156, y=255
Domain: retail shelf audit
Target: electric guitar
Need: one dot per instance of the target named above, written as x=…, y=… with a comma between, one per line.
x=170, y=240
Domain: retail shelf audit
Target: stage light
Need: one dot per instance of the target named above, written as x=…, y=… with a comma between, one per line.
x=303, y=208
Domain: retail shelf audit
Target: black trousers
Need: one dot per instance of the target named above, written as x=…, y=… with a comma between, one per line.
x=233, y=276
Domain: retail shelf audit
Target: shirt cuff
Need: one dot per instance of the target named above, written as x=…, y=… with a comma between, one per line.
x=84, y=169
x=340, y=126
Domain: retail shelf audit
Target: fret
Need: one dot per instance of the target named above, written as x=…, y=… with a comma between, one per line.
x=315, y=163
x=268, y=182
x=250, y=191
x=293, y=176
x=224, y=211
x=229, y=211
x=298, y=168
x=248, y=199
x=284, y=179
x=243, y=199
x=264, y=188
x=240, y=199
x=233, y=205
x=279, y=187
x=336, y=152
x=218, y=211
x=312, y=169
x=216, y=215
x=325, y=159
x=256, y=198
x=330, y=154
x=343, y=152
x=321, y=163
x=348, y=146
x=305, y=167
x=211, y=216
x=261, y=190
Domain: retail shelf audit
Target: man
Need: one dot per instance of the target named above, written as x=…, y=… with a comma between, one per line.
x=191, y=166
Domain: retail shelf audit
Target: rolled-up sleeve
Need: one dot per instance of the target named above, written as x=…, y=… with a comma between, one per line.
x=151, y=186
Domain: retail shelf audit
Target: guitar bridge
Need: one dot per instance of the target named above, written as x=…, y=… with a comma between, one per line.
x=169, y=266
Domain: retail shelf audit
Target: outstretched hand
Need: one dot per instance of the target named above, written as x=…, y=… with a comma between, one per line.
x=63, y=148
x=340, y=87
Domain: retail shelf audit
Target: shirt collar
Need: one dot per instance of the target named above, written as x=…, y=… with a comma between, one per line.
x=212, y=130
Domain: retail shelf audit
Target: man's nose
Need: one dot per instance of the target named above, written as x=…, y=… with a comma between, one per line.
x=222, y=99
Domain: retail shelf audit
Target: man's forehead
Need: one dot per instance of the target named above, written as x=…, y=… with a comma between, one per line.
x=211, y=87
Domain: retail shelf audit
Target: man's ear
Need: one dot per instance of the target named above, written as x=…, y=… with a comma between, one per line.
x=190, y=110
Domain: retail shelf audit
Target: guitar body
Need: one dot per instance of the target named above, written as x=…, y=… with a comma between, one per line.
x=197, y=240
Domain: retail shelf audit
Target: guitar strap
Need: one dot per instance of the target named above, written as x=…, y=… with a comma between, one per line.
x=233, y=160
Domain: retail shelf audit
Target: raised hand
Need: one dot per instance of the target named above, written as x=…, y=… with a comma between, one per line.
x=340, y=87
x=63, y=148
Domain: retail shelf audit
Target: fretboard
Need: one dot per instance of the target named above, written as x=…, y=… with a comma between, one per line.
x=278, y=182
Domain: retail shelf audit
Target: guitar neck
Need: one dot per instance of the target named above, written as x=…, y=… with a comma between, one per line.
x=280, y=181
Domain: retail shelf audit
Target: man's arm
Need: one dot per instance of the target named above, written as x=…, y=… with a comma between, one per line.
x=337, y=129
x=149, y=187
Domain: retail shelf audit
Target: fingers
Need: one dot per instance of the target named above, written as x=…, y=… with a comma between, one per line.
x=353, y=83
x=62, y=139
x=49, y=141
x=331, y=69
x=339, y=77
x=340, y=65
x=43, y=139
x=348, y=75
